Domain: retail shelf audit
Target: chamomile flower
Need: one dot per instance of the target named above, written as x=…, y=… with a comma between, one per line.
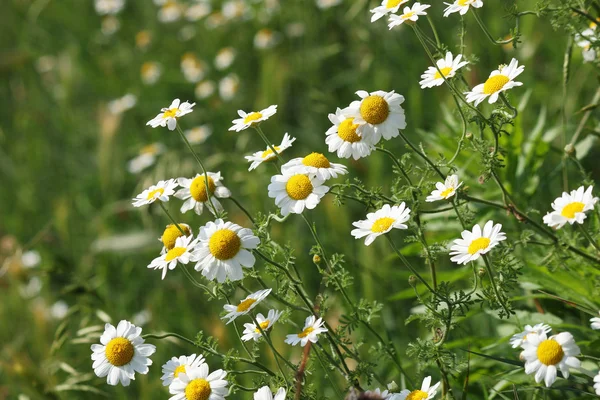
x=170, y=11
x=571, y=207
x=122, y=104
x=499, y=81
x=150, y=72
x=447, y=66
x=198, y=134
x=386, y=7
x=121, y=354
x=266, y=39
x=245, y=305
x=172, y=233
x=312, y=328
x=410, y=15
x=223, y=249
x=247, y=120
x=595, y=323
x=264, y=393
x=426, y=392
x=518, y=339
x=268, y=155
x=251, y=331
x=197, y=383
x=461, y=6
x=146, y=158
x=584, y=41
x=229, y=86
x=474, y=244
x=182, y=252
x=343, y=137
x=315, y=164
x=108, y=7
x=168, y=116
x=224, y=58
x=205, y=89
x=381, y=222
x=177, y=365
x=543, y=356
x=193, y=69
x=193, y=192
x=161, y=191
x=377, y=114
x=444, y=190
x=295, y=192
x=597, y=384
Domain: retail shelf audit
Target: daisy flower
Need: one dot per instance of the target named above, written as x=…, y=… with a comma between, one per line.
x=312, y=328
x=161, y=191
x=195, y=196
x=247, y=120
x=264, y=393
x=150, y=72
x=294, y=192
x=251, y=331
x=544, y=356
x=584, y=41
x=461, y=6
x=198, y=134
x=183, y=252
x=595, y=323
x=425, y=393
x=121, y=354
x=315, y=164
x=447, y=66
x=146, y=157
x=267, y=155
x=108, y=7
x=245, y=305
x=499, y=81
x=597, y=384
x=197, y=383
x=444, y=190
x=172, y=233
x=377, y=114
x=571, y=207
x=223, y=249
x=386, y=7
x=168, y=116
x=177, y=365
x=473, y=244
x=409, y=16
x=381, y=222
x=518, y=339
x=344, y=138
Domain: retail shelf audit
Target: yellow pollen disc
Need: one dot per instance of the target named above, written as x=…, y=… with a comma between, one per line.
x=253, y=116
x=446, y=192
x=198, y=389
x=263, y=325
x=549, y=352
x=445, y=71
x=119, y=351
x=316, y=160
x=382, y=224
x=171, y=234
x=417, y=395
x=463, y=3
x=393, y=3
x=245, y=305
x=408, y=15
x=174, y=253
x=299, y=187
x=224, y=244
x=347, y=131
x=306, y=332
x=478, y=244
x=495, y=83
x=570, y=209
x=153, y=193
x=170, y=113
x=269, y=153
x=179, y=370
x=198, y=188
x=374, y=109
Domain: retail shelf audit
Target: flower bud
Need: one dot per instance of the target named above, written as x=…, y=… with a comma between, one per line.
x=412, y=280
x=481, y=272
x=317, y=259
x=469, y=136
x=570, y=150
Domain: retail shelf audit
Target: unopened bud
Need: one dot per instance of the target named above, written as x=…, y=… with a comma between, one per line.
x=481, y=179
x=392, y=386
x=469, y=136
x=317, y=259
x=412, y=280
x=570, y=150
x=481, y=272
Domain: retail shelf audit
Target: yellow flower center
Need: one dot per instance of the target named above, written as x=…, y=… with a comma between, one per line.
x=374, y=109
x=198, y=188
x=245, y=305
x=306, y=332
x=316, y=160
x=198, y=389
x=263, y=325
x=253, y=116
x=171, y=233
x=408, y=15
x=495, y=83
x=150, y=149
x=444, y=72
x=446, y=192
x=174, y=253
x=347, y=131
x=570, y=209
x=119, y=351
x=170, y=113
x=393, y=3
x=417, y=395
x=382, y=224
x=269, y=153
x=224, y=244
x=478, y=244
x=179, y=370
x=463, y=3
x=153, y=193
x=549, y=352
x=299, y=187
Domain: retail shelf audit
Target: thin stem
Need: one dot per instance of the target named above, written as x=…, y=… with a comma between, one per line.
x=488, y=34
x=239, y=205
x=269, y=144
x=589, y=237
x=397, y=162
x=515, y=112
x=171, y=218
x=490, y=272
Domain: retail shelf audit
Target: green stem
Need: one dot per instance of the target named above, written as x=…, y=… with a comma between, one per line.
x=514, y=110
x=490, y=272
x=171, y=218
x=237, y=203
x=487, y=32
x=588, y=237
x=269, y=144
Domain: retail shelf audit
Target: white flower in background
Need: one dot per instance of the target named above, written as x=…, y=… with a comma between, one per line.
x=584, y=41
x=447, y=66
x=146, y=158
x=59, y=310
x=143, y=39
x=410, y=15
x=121, y=354
x=151, y=72
x=343, y=137
x=251, y=331
x=229, y=86
x=198, y=134
x=141, y=318
x=377, y=114
x=122, y=104
x=264, y=393
x=426, y=392
x=386, y=7
x=161, y=191
x=106, y=7
x=474, y=244
x=312, y=328
x=461, y=6
x=268, y=155
x=224, y=58
x=177, y=365
x=595, y=323
x=205, y=89
x=377, y=394
x=295, y=29
x=571, y=207
x=247, y=120
x=266, y=39
x=30, y=259
x=198, y=384
x=110, y=25
x=197, y=10
x=170, y=11
x=445, y=190
x=325, y=4
x=182, y=252
x=381, y=222
x=315, y=164
x=295, y=192
x=233, y=9
x=518, y=339
x=245, y=305
x=193, y=69
x=499, y=81
x=193, y=192
x=544, y=356
x=31, y=289
x=225, y=248
x=597, y=384
x=168, y=116
x=215, y=20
